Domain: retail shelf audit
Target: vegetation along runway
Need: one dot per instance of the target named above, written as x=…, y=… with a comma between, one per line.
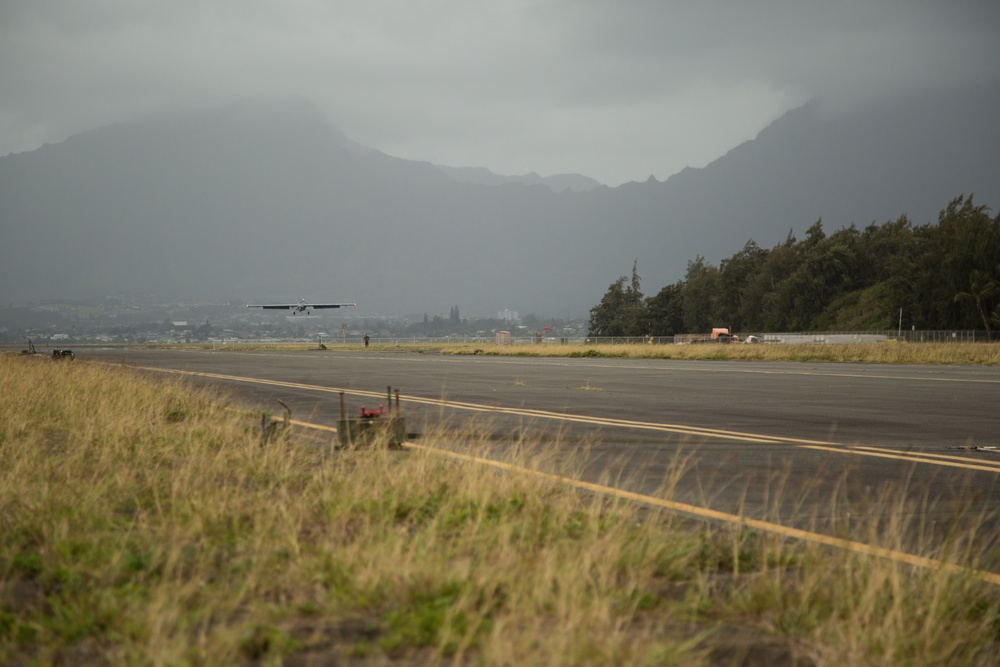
x=808, y=450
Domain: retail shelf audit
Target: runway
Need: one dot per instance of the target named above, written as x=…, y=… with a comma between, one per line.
x=828, y=447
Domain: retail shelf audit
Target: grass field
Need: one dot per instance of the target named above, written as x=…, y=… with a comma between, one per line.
x=144, y=522
x=981, y=354
x=977, y=354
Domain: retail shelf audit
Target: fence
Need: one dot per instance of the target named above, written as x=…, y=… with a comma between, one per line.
x=819, y=337
x=799, y=337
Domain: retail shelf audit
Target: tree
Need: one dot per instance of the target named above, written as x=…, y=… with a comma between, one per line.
x=981, y=289
x=995, y=316
x=850, y=279
x=965, y=240
x=734, y=281
x=826, y=272
x=204, y=331
x=621, y=311
x=608, y=317
x=635, y=306
x=886, y=265
x=701, y=290
x=761, y=306
x=665, y=311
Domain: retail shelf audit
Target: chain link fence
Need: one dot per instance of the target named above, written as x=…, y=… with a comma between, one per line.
x=784, y=338
x=817, y=337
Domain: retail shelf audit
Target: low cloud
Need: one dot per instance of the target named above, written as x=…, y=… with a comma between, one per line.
x=617, y=91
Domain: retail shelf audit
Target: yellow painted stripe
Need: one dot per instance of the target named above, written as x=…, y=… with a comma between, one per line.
x=715, y=368
x=522, y=412
x=995, y=464
x=681, y=429
x=320, y=427
x=693, y=510
x=707, y=513
x=870, y=376
x=704, y=512
x=907, y=456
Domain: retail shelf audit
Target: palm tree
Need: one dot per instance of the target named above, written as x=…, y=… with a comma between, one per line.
x=981, y=288
x=995, y=316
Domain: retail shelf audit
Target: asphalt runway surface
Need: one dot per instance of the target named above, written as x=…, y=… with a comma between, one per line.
x=827, y=447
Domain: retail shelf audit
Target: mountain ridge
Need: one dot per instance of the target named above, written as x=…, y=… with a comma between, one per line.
x=275, y=202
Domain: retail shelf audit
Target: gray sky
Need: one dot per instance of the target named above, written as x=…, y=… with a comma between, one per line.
x=617, y=90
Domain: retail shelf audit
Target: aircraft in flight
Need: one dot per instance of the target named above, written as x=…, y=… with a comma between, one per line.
x=299, y=307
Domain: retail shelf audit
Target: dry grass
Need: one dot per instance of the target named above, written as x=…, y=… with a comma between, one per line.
x=892, y=352
x=143, y=522
x=979, y=354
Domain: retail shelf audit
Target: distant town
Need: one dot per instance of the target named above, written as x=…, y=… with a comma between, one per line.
x=147, y=320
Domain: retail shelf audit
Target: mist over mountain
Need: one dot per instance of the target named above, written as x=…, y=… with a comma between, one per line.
x=556, y=182
x=253, y=201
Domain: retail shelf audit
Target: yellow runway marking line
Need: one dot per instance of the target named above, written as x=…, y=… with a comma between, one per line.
x=866, y=376
x=946, y=457
x=319, y=427
x=758, y=371
x=707, y=513
x=819, y=445
x=704, y=512
x=297, y=422
x=522, y=412
x=913, y=457
x=694, y=510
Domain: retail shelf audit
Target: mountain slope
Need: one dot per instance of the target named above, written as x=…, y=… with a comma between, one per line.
x=250, y=202
x=557, y=182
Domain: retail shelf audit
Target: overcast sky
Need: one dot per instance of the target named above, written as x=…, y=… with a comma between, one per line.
x=617, y=90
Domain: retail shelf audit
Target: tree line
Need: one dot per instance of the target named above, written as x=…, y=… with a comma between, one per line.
x=940, y=276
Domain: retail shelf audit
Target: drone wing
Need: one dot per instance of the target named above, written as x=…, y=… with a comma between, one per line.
x=332, y=305
x=273, y=306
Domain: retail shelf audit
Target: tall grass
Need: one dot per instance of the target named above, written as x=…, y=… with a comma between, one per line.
x=892, y=352
x=142, y=521
x=979, y=354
